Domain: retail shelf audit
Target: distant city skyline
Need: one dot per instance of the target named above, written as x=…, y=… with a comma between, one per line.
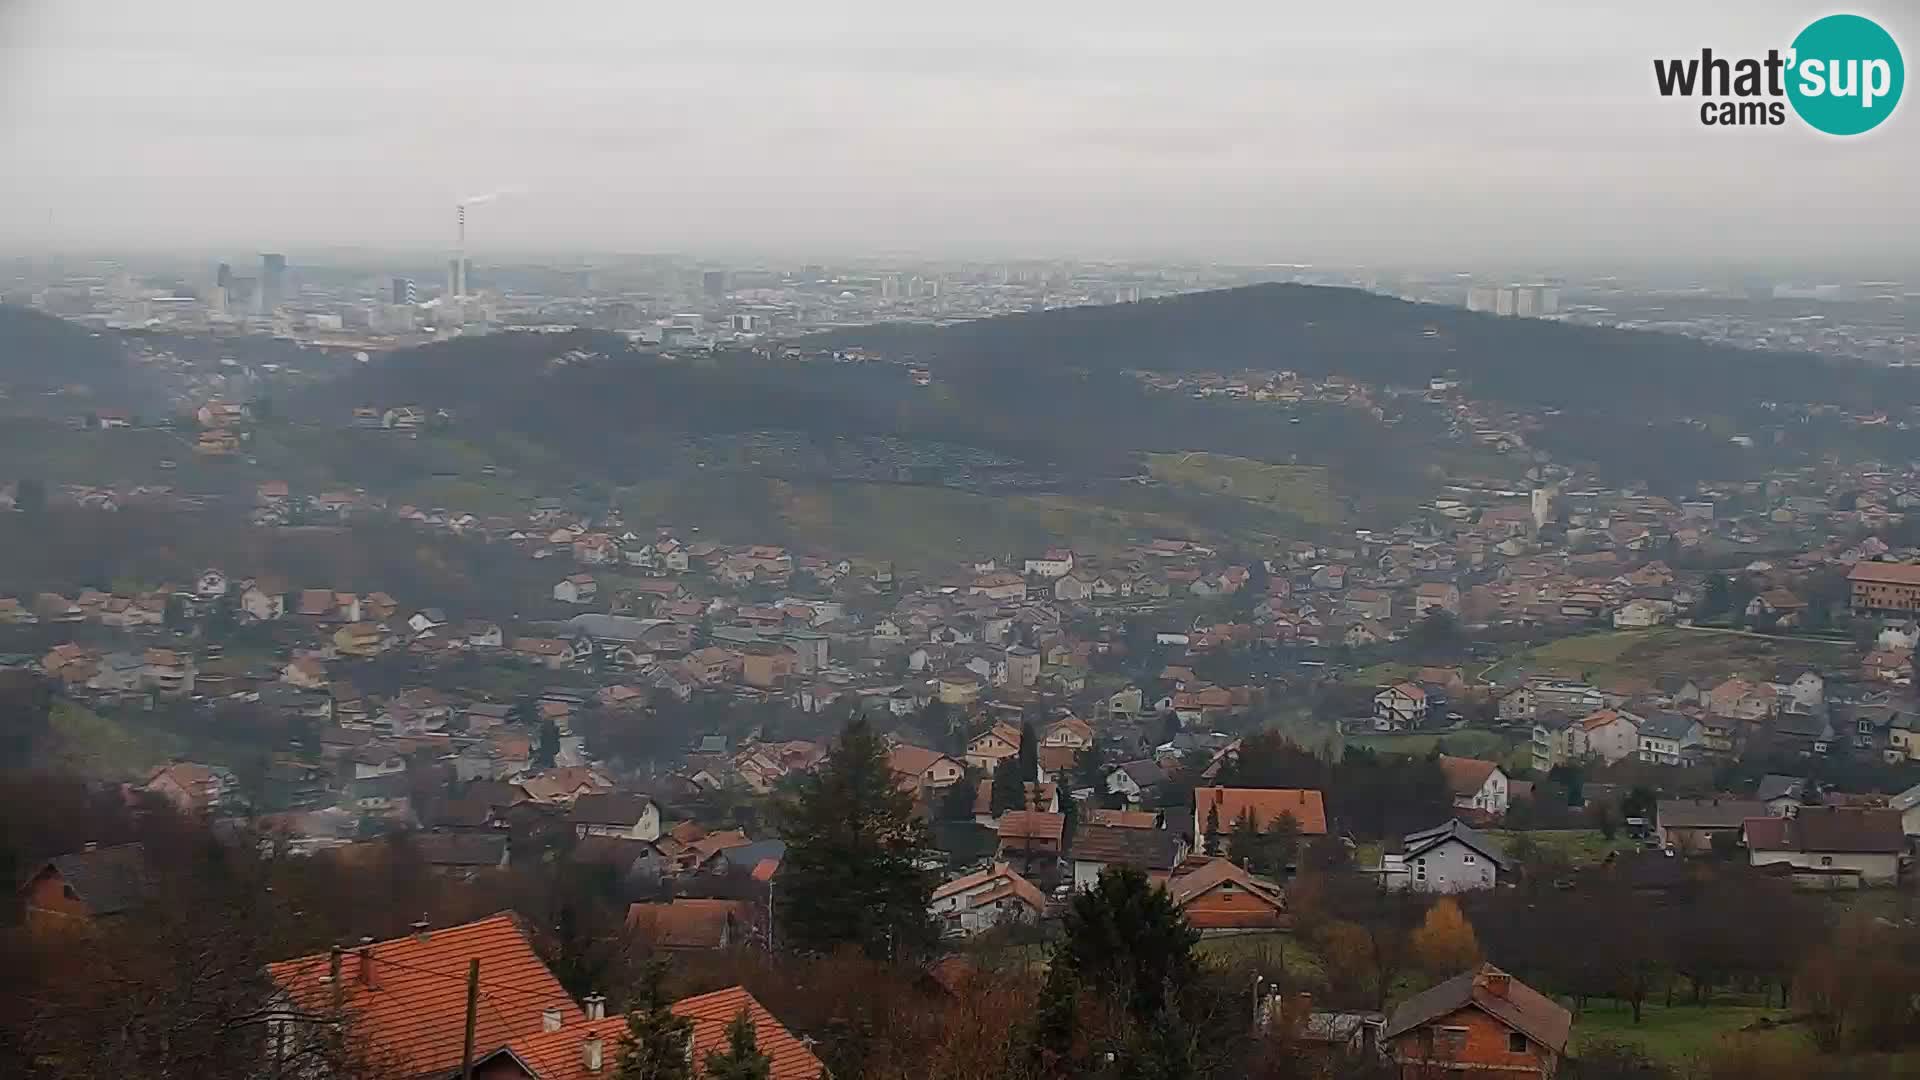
x=1415, y=133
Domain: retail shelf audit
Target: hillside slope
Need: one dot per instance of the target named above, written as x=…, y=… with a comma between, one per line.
x=39, y=353
x=1319, y=330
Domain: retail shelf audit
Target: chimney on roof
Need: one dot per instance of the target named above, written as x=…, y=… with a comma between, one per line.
x=365, y=952
x=590, y=1053
x=549, y=1019
x=596, y=1006
x=333, y=973
x=1495, y=982
x=422, y=929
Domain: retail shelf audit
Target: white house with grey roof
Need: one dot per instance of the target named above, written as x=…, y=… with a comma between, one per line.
x=1449, y=858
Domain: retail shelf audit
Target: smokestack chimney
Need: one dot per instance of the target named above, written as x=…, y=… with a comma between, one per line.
x=459, y=283
x=590, y=1053
x=550, y=1019
x=596, y=1006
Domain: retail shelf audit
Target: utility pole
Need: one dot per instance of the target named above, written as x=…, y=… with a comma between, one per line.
x=473, y=1008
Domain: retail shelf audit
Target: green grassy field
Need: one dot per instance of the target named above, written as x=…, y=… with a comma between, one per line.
x=1680, y=1034
x=85, y=743
x=1272, y=950
x=1581, y=847
x=1304, y=490
x=1663, y=651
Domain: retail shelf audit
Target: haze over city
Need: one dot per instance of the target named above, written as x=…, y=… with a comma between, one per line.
x=990, y=541
x=1244, y=131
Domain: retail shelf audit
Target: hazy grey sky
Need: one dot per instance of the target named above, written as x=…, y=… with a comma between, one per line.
x=1362, y=129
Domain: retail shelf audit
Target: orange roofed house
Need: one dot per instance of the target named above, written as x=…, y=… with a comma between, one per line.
x=1880, y=587
x=406, y=998
x=92, y=883
x=591, y=1048
x=1263, y=805
x=405, y=1002
x=1220, y=896
x=1480, y=1022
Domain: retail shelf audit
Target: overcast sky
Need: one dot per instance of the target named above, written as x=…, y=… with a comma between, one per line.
x=1365, y=129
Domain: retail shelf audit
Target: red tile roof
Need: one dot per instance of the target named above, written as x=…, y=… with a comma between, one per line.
x=1466, y=776
x=408, y=998
x=556, y=1055
x=1885, y=573
x=1266, y=804
x=688, y=923
x=1032, y=824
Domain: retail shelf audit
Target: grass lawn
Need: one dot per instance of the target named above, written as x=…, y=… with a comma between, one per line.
x=1581, y=847
x=1272, y=949
x=1665, y=650
x=85, y=743
x=1299, y=489
x=1679, y=1034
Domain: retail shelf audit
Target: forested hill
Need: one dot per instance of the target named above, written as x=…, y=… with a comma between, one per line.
x=39, y=352
x=1318, y=330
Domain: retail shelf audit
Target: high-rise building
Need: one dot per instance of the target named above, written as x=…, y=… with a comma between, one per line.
x=273, y=281
x=714, y=284
x=1506, y=301
x=1481, y=298
x=223, y=276
x=403, y=291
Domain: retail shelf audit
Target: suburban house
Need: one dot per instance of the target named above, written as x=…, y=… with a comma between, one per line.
x=408, y=995
x=1031, y=834
x=917, y=767
x=985, y=899
x=1665, y=738
x=590, y=1049
x=1831, y=846
x=1432, y=596
x=92, y=883
x=1221, y=897
x=991, y=747
x=192, y=788
x=1445, y=859
x=615, y=813
x=1907, y=803
x=1400, y=707
x=1480, y=1021
x=1881, y=588
x=1223, y=806
x=687, y=924
x=1552, y=740
x=1609, y=735
x=1369, y=604
x=1154, y=852
x=576, y=589
x=1742, y=699
x=999, y=586
x=1134, y=780
x=1070, y=732
x=1054, y=563
x=1476, y=785
x=1689, y=826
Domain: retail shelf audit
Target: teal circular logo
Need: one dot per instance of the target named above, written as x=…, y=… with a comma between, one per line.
x=1846, y=75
